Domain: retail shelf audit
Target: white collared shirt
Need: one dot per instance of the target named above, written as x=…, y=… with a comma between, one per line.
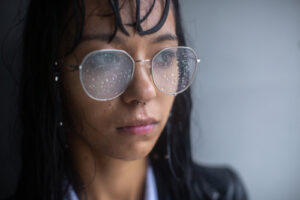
x=150, y=189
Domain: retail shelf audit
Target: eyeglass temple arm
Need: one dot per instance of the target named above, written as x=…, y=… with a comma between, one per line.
x=73, y=67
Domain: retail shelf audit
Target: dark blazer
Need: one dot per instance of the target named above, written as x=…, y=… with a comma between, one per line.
x=211, y=183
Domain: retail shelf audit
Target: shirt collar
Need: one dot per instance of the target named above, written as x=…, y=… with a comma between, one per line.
x=151, y=189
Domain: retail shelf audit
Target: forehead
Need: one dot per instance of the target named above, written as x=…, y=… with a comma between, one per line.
x=100, y=15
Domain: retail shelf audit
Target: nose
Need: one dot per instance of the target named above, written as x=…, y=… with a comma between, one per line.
x=141, y=87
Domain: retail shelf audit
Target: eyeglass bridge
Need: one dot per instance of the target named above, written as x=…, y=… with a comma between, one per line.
x=142, y=61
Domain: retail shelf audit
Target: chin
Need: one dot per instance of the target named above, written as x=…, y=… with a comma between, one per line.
x=132, y=153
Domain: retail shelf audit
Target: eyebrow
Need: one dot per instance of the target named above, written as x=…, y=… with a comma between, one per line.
x=165, y=37
x=104, y=37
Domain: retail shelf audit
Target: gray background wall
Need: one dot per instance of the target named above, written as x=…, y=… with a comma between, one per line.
x=246, y=95
x=247, y=92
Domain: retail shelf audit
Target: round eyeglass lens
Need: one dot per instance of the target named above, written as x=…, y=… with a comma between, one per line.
x=173, y=69
x=105, y=74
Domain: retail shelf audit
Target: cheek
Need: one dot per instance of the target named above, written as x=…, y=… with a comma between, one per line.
x=165, y=103
x=91, y=121
x=81, y=108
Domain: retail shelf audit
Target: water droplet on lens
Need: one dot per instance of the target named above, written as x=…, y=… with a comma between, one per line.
x=92, y=86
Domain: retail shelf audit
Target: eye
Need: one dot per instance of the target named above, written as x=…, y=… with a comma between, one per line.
x=165, y=58
x=107, y=58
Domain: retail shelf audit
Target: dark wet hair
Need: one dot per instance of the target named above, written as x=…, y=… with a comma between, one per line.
x=45, y=163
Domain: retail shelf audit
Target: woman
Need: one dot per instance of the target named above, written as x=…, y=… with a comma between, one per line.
x=106, y=105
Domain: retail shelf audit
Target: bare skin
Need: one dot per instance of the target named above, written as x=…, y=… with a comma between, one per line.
x=112, y=164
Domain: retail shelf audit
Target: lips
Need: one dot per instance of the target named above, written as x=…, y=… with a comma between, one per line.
x=138, y=127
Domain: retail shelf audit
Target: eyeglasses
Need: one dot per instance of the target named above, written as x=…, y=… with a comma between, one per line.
x=105, y=74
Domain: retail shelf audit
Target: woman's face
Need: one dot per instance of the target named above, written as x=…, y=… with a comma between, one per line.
x=120, y=128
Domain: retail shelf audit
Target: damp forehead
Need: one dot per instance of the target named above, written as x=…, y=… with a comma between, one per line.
x=96, y=9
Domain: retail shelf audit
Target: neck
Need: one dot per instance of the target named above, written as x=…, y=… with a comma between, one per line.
x=108, y=178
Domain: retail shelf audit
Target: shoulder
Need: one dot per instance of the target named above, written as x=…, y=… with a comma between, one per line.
x=218, y=183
